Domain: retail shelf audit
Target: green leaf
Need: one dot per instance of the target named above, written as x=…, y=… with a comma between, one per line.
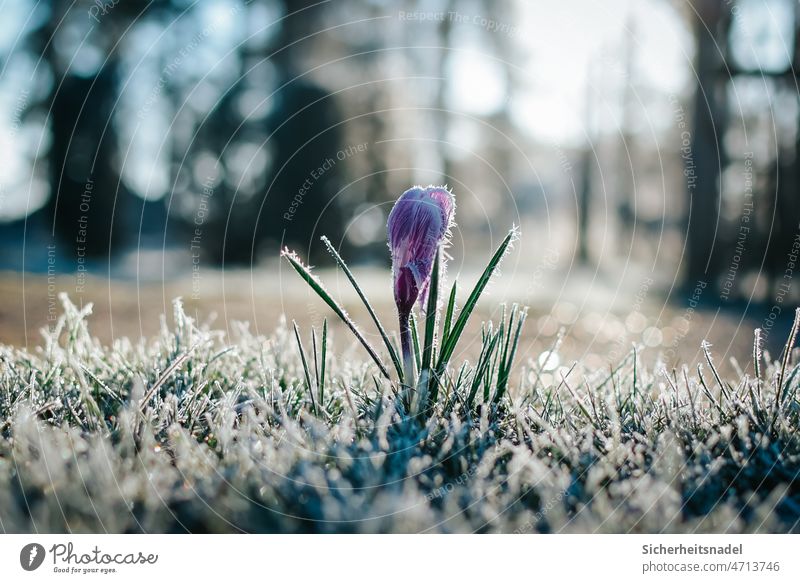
x=448, y=346
x=305, y=366
x=430, y=330
x=430, y=314
x=489, y=343
x=451, y=305
x=317, y=286
x=389, y=346
x=415, y=340
x=324, y=358
x=509, y=351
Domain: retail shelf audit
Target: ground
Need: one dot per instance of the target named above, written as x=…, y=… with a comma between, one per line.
x=202, y=429
x=601, y=316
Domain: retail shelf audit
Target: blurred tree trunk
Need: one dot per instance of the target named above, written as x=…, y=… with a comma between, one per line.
x=785, y=183
x=84, y=180
x=87, y=198
x=584, y=201
x=626, y=155
x=703, y=163
x=305, y=138
x=443, y=114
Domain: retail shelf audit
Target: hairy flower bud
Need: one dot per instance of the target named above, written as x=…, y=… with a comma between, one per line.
x=418, y=224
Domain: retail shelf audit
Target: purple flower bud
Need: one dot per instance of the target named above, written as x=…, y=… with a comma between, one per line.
x=418, y=224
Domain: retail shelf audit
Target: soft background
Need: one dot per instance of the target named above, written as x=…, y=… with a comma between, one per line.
x=647, y=150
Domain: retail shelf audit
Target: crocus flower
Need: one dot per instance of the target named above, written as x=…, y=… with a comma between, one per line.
x=418, y=225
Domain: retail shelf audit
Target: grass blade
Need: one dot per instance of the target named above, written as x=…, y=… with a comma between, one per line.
x=489, y=342
x=448, y=347
x=430, y=327
x=757, y=354
x=487, y=378
x=389, y=346
x=509, y=352
x=304, y=362
x=324, y=356
x=316, y=356
x=316, y=285
x=431, y=315
x=787, y=355
x=451, y=305
x=417, y=350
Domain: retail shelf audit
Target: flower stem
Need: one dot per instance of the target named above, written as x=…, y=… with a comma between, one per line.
x=406, y=347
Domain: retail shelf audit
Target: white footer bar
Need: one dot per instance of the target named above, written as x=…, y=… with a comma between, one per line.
x=406, y=558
